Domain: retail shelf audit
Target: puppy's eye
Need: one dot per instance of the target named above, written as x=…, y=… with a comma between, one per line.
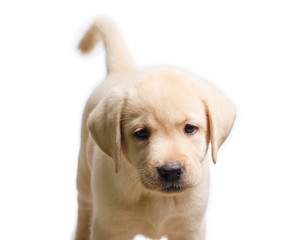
x=190, y=129
x=142, y=134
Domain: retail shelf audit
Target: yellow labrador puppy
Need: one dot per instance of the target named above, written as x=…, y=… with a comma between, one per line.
x=143, y=165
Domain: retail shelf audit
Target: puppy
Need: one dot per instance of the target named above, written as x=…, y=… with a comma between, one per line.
x=143, y=165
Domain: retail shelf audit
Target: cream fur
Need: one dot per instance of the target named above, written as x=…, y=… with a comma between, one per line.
x=120, y=194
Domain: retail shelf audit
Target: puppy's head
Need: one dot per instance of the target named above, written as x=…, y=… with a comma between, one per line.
x=162, y=125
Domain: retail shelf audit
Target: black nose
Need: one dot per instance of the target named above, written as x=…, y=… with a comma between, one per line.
x=171, y=172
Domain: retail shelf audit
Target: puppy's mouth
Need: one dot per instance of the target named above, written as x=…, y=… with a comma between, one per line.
x=173, y=189
x=166, y=188
x=170, y=178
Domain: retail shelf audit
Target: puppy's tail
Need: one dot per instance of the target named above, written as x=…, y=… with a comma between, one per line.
x=118, y=58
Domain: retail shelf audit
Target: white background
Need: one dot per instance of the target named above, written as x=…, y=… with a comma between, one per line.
x=243, y=47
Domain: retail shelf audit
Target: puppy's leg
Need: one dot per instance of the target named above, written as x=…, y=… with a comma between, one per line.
x=98, y=233
x=84, y=199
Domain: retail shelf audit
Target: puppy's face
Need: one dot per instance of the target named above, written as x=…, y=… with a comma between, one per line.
x=162, y=124
x=165, y=133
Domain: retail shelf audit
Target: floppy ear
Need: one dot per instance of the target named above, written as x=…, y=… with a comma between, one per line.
x=221, y=115
x=104, y=124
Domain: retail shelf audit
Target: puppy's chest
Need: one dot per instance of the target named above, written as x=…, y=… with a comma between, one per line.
x=156, y=218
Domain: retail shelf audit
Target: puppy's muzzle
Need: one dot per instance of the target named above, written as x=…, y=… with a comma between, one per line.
x=171, y=173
